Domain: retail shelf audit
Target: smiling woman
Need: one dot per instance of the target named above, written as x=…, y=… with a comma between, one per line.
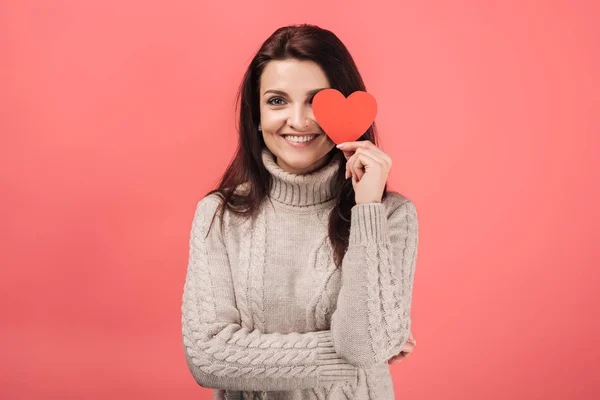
x=287, y=122
x=267, y=312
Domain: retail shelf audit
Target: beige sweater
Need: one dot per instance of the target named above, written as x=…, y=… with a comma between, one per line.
x=265, y=312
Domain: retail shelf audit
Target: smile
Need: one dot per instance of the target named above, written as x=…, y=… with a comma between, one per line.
x=300, y=141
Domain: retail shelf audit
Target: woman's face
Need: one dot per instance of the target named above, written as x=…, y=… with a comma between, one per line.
x=286, y=90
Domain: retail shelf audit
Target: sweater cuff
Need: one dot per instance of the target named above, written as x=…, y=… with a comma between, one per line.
x=368, y=223
x=332, y=368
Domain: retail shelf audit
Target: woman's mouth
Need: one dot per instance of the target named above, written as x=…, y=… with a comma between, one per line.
x=299, y=141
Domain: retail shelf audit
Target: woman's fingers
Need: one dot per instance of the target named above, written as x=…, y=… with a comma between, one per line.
x=359, y=160
x=408, y=347
x=364, y=159
x=349, y=160
x=351, y=169
x=348, y=153
x=397, y=358
x=355, y=167
x=394, y=360
x=349, y=147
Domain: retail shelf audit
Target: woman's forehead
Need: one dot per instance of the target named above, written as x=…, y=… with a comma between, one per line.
x=293, y=76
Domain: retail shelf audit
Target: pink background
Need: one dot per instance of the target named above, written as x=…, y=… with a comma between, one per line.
x=117, y=117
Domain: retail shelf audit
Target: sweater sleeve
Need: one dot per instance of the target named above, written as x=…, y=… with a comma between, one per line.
x=372, y=319
x=223, y=354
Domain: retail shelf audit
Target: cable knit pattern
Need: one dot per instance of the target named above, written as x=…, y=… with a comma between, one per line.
x=244, y=276
x=382, y=252
x=256, y=269
x=318, y=312
x=267, y=315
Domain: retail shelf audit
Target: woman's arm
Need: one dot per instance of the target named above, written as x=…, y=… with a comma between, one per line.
x=372, y=319
x=220, y=353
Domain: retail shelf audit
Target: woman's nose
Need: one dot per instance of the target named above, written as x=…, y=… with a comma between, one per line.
x=300, y=118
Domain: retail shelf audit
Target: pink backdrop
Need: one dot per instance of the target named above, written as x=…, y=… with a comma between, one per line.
x=117, y=116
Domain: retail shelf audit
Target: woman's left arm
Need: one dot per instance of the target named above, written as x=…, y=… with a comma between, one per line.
x=372, y=319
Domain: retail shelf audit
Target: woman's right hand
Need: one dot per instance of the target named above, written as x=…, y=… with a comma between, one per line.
x=407, y=349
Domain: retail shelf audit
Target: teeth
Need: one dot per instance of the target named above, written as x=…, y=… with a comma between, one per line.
x=300, y=139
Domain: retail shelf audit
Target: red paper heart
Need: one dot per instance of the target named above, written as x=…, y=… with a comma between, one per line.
x=344, y=119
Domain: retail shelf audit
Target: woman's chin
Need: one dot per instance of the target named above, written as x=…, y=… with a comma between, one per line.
x=300, y=163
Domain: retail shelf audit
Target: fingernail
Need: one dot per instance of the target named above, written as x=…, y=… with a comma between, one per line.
x=339, y=145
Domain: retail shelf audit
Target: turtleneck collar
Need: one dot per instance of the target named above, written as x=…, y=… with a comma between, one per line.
x=301, y=190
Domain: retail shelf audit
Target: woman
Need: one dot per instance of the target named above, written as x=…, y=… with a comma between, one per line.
x=299, y=282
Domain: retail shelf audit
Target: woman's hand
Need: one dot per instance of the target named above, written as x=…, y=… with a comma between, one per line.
x=369, y=167
x=406, y=351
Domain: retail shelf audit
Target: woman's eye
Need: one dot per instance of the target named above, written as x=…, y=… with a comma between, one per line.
x=274, y=98
x=271, y=101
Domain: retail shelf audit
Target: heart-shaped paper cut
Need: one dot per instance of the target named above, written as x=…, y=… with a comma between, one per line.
x=344, y=119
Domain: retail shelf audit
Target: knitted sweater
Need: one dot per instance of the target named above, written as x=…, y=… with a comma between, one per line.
x=265, y=312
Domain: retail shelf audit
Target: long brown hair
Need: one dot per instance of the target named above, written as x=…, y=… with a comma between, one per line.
x=301, y=42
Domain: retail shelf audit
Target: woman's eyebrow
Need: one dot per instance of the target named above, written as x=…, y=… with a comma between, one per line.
x=281, y=92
